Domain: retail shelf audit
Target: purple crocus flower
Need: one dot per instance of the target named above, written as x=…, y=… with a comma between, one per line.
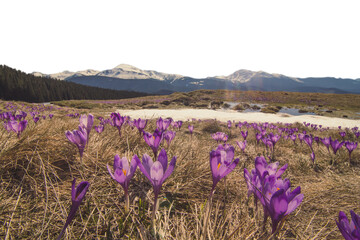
x=293, y=137
x=117, y=121
x=17, y=127
x=77, y=195
x=242, y=145
x=317, y=140
x=336, y=145
x=163, y=124
x=157, y=172
x=7, y=126
x=342, y=134
x=273, y=139
x=244, y=134
x=220, y=136
x=51, y=115
x=154, y=140
x=282, y=203
x=349, y=230
x=220, y=166
x=350, y=146
x=169, y=136
x=326, y=142
x=274, y=193
x=131, y=124
x=357, y=134
x=312, y=155
x=258, y=137
x=86, y=122
x=140, y=124
x=263, y=168
x=309, y=140
x=99, y=128
x=229, y=124
x=191, y=129
x=79, y=138
x=36, y=119
x=252, y=182
x=123, y=174
x=227, y=153
x=177, y=124
x=301, y=137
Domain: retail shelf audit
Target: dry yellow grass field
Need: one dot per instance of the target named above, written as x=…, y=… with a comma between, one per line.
x=37, y=170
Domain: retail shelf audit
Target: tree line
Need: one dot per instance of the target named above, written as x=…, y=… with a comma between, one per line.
x=20, y=86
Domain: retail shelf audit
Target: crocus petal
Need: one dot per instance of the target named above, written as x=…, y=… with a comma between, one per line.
x=83, y=120
x=80, y=191
x=109, y=170
x=120, y=177
x=295, y=192
x=272, y=167
x=281, y=171
x=356, y=220
x=156, y=172
x=229, y=168
x=278, y=205
x=147, y=162
x=169, y=170
x=163, y=159
x=144, y=169
x=73, y=189
x=116, y=161
x=229, y=154
x=70, y=136
x=260, y=166
x=215, y=160
x=124, y=164
x=133, y=166
x=294, y=203
x=343, y=226
x=248, y=181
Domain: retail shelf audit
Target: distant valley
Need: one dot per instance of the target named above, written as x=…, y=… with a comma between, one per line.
x=130, y=78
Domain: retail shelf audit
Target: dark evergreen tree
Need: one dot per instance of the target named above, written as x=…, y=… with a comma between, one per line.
x=17, y=85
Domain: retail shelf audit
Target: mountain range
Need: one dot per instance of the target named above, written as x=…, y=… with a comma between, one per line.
x=130, y=78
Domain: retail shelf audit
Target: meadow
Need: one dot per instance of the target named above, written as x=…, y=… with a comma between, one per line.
x=323, y=104
x=38, y=166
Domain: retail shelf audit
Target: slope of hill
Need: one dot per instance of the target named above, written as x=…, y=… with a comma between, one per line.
x=17, y=85
x=123, y=71
x=140, y=85
x=126, y=77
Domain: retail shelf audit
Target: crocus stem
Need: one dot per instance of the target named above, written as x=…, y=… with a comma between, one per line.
x=256, y=210
x=350, y=158
x=225, y=186
x=273, y=154
x=127, y=202
x=153, y=216
x=207, y=215
x=68, y=220
x=62, y=232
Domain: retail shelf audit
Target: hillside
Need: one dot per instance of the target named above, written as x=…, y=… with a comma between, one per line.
x=126, y=77
x=17, y=85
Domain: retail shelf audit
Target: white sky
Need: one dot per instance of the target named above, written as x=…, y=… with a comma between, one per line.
x=299, y=38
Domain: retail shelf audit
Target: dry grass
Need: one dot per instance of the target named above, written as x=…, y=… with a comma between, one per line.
x=37, y=170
